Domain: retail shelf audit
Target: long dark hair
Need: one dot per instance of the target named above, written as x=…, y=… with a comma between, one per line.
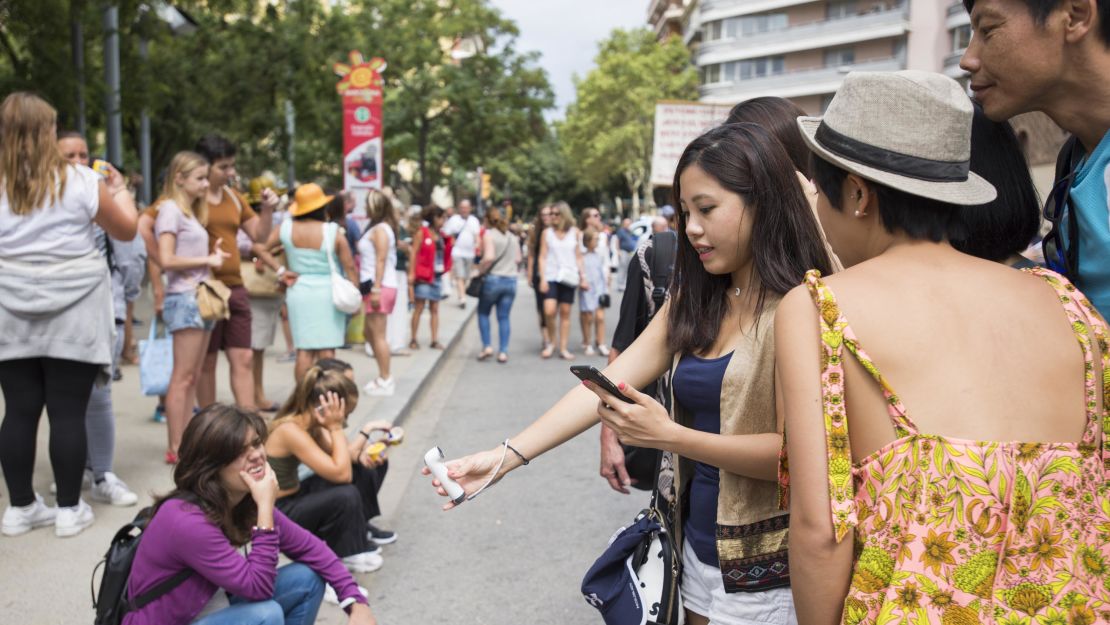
x=785, y=242
x=779, y=117
x=212, y=440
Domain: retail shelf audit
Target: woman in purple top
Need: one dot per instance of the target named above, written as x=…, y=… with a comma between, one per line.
x=224, y=499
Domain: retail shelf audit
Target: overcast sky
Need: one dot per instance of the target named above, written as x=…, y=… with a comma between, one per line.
x=566, y=33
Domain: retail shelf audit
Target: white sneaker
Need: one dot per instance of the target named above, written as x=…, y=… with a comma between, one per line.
x=71, y=521
x=20, y=520
x=332, y=598
x=603, y=350
x=363, y=562
x=590, y=350
x=86, y=482
x=380, y=386
x=112, y=490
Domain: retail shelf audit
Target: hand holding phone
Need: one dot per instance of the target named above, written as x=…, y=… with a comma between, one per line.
x=591, y=374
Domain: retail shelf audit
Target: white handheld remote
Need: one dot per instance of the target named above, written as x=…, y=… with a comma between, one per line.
x=434, y=461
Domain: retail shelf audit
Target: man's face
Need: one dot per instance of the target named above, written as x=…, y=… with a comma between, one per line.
x=221, y=172
x=348, y=203
x=1015, y=63
x=465, y=208
x=75, y=150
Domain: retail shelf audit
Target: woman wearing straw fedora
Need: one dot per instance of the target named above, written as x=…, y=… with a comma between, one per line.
x=913, y=494
x=311, y=246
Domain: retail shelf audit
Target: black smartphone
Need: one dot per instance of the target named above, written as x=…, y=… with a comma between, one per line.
x=588, y=372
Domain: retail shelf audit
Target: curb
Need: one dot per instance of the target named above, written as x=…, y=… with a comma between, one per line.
x=406, y=408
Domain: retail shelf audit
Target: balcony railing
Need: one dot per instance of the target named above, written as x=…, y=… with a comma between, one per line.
x=956, y=8
x=797, y=83
x=800, y=34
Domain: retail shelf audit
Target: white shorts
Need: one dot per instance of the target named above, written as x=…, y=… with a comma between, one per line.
x=462, y=267
x=703, y=592
x=265, y=315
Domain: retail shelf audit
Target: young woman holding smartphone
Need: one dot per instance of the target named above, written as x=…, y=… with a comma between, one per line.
x=750, y=236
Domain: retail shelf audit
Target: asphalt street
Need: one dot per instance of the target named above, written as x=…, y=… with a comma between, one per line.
x=518, y=553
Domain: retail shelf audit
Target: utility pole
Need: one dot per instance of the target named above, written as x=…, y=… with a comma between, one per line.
x=291, y=131
x=144, y=126
x=111, y=77
x=77, y=42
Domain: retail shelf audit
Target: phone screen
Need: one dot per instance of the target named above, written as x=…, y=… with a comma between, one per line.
x=587, y=372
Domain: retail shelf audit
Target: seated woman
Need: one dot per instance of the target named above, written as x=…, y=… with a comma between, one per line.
x=336, y=502
x=224, y=498
x=953, y=472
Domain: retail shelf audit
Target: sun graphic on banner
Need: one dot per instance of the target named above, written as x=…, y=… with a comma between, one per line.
x=358, y=73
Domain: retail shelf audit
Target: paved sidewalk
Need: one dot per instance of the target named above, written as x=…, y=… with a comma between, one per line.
x=45, y=580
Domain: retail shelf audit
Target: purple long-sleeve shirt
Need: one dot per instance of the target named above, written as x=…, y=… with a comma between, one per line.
x=181, y=537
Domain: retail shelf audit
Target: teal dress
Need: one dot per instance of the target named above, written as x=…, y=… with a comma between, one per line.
x=316, y=322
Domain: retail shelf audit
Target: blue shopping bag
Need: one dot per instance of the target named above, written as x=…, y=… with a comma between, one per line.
x=155, y=361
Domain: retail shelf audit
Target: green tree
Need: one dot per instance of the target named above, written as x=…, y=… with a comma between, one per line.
x=608, y=129
x=234, y=75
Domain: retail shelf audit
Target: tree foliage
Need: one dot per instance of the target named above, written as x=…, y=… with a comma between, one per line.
x=234, y=75
x=608, y=129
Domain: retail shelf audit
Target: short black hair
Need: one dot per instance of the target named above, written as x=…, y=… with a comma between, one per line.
x=215, y=147
x=1040, y=9
x=1007, y=225
x=918, y=217
x=334, y=364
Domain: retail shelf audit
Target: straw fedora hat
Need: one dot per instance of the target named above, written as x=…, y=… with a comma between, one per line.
x=308, y=198
x=908, y=130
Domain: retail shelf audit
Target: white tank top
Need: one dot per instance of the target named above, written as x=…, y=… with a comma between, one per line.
x=560, y=252
x=368, y=258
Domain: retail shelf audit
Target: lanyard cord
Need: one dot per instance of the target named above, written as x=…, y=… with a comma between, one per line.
x=493, y=476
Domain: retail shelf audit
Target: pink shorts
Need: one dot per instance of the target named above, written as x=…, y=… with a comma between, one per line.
x=387, y=298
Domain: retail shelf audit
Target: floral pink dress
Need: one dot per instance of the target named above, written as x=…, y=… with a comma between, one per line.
x=958, y=531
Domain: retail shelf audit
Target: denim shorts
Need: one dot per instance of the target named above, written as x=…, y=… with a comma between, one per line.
x=432, y=292
x=180, y=312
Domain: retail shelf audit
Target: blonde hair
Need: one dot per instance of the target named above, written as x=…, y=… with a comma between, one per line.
x=306, y=396
x=31, y=164
x=564, y=215
x=496, y=220
x=379, y=209
x=183, y=164
x=589, y=238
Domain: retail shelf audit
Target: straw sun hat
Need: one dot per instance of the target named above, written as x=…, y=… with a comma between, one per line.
x=308, y=198
x=907, y=130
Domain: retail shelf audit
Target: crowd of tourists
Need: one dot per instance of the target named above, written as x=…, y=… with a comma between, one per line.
x=903, y=219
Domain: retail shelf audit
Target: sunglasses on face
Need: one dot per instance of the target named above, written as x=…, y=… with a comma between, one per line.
x=1058, y=255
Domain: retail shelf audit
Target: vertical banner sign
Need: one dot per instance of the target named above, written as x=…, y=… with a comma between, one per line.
x=361, y=88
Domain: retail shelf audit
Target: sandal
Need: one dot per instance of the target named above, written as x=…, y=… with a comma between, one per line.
x=171, y=458
x=565, y=355
x=273, y=407
x=547, y=351
x=436, y=345
x=413, y=344
x=502, y=358
x=485, y=354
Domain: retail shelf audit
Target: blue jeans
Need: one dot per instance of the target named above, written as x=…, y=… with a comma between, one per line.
x=499, y=291
x=298, y=592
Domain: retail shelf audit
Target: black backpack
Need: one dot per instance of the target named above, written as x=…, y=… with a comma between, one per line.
x=111, y=602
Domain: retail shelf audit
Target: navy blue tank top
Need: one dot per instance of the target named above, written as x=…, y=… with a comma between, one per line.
x=697, y=388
